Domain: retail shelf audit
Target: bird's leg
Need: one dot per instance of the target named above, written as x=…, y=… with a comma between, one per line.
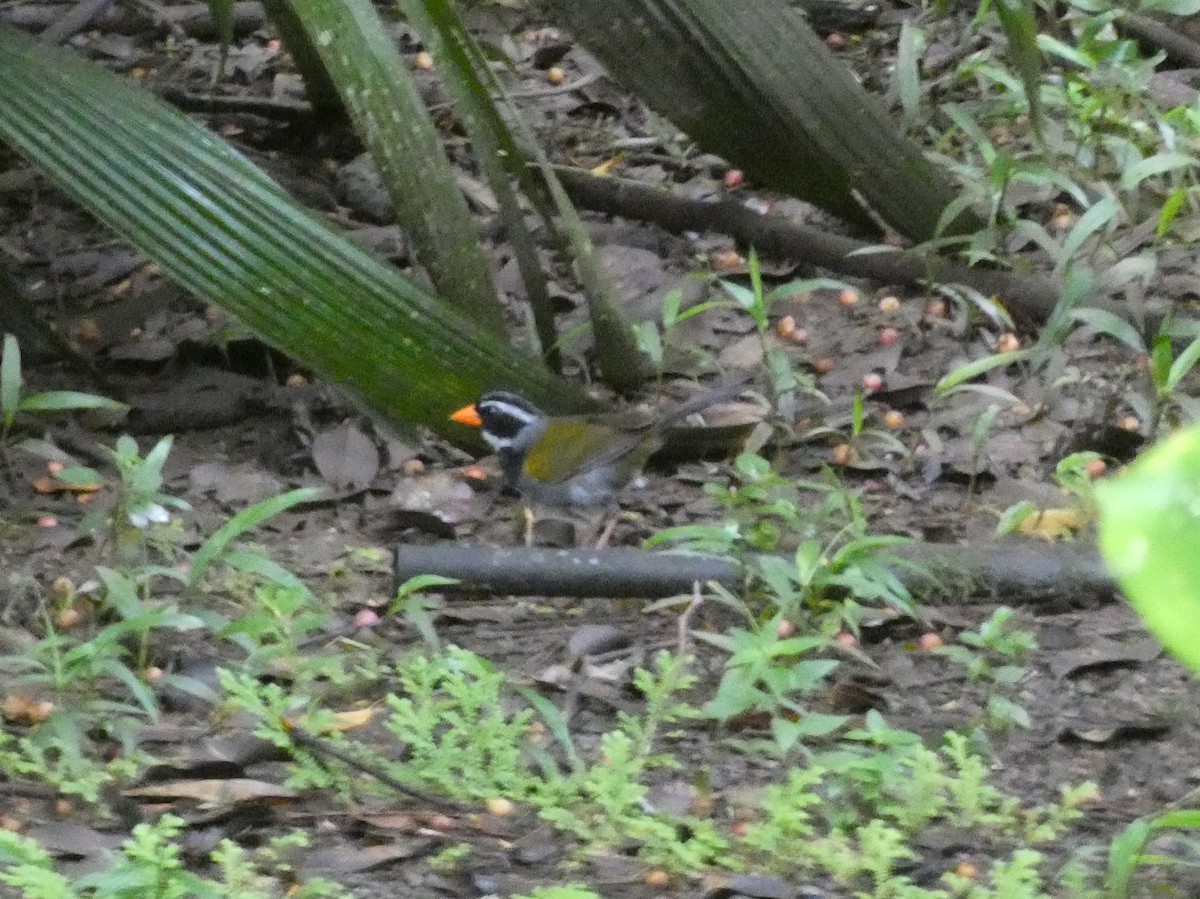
x=530, y=521
x=606, y=532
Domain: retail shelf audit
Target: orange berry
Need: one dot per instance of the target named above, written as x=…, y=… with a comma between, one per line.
x=500, y=807
x=657, y=878
x=823, y=366
x=840, y=454
x=1130, y=423
x=785, y=326
x=929, y=640
x=366, y=618
x=1095, y=468
x=849, y=297
x=726, y=260
x=889, y=304
x=555, y=75
x=893, y=419
x=1007, y=343
x=67, y=618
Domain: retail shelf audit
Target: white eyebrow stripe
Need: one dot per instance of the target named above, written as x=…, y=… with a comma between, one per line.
x=511, y=410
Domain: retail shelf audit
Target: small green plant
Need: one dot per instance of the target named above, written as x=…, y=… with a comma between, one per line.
x=1130, y=849
x=995, y=656
x=852, y=812
x=140, y=506
x=151, y=864
x=863, y=441
x=1074, y=475
x=277, y=631
x=411, y=603
x=568, y=891
x=13, y=402
x=1163, y=402
x=785, y=382
x=768, y=673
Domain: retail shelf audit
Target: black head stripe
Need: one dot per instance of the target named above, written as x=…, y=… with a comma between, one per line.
x=505, y=414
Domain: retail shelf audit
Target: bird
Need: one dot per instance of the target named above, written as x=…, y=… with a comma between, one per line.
x=572, y=461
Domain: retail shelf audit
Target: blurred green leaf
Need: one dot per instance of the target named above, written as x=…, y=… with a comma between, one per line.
x=1149, y=531
x=10, y=380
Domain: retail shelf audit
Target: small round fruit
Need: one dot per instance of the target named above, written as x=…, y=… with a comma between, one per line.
x=657, y=878
x=1095, y=468
x=1007, y=343
x=936, y=308
x=726, y=260
x=500, y=807
x=295, y=379
x=889, y=304
x=366, y=618
x=555, y=75
x=785, y=629
x=67, y=618
x=785, y=326
x=840, y=454
x=835, y=40
x=733, y=178
x=888, y=336
x=824, y=365
x=1130, y=423
x=845, y=638
x=893, y=419
x=872, y=381
x=423, y=61
x=62, y=586
x=929, y=640
x=966, y=870
x=849, y=297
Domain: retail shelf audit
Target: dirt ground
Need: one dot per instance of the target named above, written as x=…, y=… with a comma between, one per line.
x=1105, y=705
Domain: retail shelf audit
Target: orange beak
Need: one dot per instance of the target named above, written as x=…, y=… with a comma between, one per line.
x=468, y=415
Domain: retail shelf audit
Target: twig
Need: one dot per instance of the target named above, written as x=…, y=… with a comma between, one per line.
x=324, y=747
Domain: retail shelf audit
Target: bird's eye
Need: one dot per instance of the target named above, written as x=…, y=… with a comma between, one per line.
x=501, y=420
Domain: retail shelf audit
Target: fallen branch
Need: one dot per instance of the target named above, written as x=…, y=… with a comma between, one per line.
x=1032, y=296
x=1013, y=573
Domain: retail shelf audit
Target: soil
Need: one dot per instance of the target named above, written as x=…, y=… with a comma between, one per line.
x=1104, y=704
